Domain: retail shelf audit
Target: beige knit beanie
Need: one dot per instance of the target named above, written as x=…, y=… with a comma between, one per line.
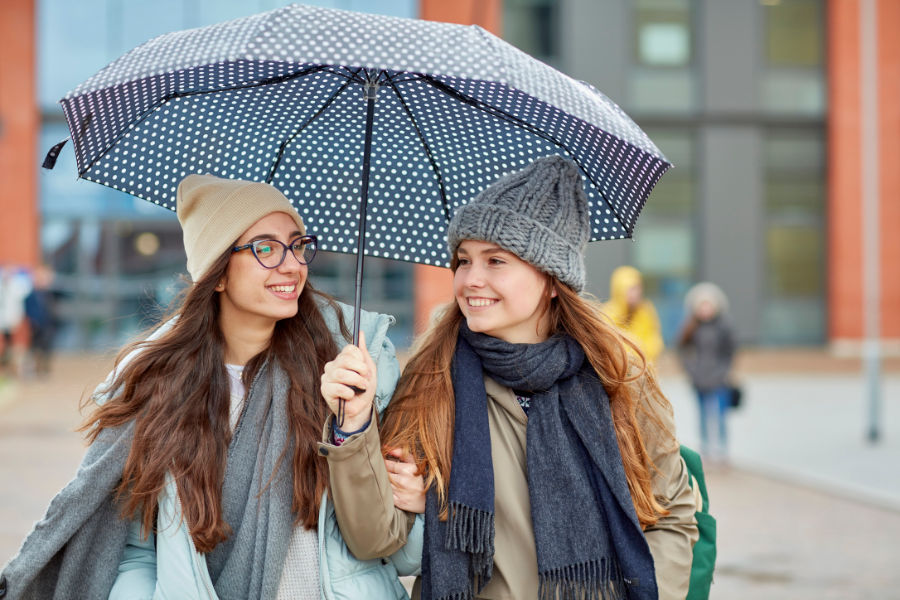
x=214, y=212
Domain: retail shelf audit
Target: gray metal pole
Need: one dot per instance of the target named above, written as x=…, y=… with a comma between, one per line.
x=869, y=154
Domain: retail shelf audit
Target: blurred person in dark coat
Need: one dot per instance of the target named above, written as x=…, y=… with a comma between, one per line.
x=706, y=346
x=40, y=310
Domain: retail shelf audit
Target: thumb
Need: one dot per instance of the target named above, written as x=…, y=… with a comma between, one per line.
x=362, y=341
x=365, y=350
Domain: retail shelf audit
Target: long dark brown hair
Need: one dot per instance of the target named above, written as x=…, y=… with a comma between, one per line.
x=420, y=417
x=176, y=391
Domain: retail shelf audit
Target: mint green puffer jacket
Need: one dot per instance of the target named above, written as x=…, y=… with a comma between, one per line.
x=168, y=566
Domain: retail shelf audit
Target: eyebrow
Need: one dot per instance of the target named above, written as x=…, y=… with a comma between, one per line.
x=488, y=250
x=272, y=236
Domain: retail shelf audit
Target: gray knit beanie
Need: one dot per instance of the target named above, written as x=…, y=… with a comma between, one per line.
x=539, y=213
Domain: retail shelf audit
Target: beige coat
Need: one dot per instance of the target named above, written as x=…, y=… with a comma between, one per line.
x=372, y=527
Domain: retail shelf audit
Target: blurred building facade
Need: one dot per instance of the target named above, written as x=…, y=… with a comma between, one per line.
x=119, y=260
x=755, y=102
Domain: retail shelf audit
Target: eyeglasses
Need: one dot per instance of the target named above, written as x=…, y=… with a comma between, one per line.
x=266, y=251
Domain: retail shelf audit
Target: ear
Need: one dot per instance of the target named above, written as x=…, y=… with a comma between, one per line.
x=553, y=291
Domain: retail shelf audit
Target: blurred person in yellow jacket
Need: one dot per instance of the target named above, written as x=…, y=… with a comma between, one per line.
x=632, y=313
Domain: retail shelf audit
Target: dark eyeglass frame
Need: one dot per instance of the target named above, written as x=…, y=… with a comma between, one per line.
x=304, y=240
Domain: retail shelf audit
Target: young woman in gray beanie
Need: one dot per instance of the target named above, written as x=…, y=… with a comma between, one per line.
x=549, y=452
x=203, y=478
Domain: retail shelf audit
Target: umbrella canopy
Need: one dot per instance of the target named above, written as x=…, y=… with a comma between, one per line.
x=281, y=97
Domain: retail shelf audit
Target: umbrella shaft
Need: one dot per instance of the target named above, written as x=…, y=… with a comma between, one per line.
x=363, y=209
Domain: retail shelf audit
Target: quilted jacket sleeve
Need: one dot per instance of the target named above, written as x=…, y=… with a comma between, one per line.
x=371, y=525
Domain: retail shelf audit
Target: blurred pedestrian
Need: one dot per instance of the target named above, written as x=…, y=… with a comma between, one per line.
x=202, y=479
x=40, y=310
x=550, y=451
x=706, y=346
x=634, y=314
x=14, y=287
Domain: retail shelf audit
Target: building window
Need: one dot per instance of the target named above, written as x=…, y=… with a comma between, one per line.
x=663, y=78
x=794, y=46
x=793, y=303
x=662, y=33
x=666, y=231
x=531, y=26
x=793, y=33
x=387, y=287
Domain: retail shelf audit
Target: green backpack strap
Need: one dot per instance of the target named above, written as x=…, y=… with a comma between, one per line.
x=705, y=549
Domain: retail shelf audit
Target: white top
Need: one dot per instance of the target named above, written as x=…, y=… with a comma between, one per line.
x=300, y=575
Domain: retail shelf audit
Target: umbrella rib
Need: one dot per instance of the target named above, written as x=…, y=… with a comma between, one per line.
x=290, y=139
x=174, y=95
x=262, y=82
x=502, y=114
x=434, y=165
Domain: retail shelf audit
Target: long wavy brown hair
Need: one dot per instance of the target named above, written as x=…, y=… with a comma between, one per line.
x=176, y=391
x=420, y=417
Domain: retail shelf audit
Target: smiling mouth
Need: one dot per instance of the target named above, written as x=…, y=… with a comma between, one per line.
x=479, y=302
x=283, y=289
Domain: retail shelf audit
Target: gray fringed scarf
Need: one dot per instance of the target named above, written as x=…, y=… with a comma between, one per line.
x=74, y=551
x=588, y=539
x=248, y=564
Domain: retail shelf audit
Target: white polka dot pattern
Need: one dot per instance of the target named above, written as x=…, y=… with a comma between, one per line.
x=278, y=97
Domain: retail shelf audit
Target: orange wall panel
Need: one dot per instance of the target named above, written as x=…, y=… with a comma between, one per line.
x=845, y=208
x=485, y=13
x=19, y=124
x=844, y=177
x=889, y=144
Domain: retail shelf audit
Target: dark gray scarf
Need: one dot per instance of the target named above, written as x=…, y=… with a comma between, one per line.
x=588, y=539
x=74, y=551
x=248, y=564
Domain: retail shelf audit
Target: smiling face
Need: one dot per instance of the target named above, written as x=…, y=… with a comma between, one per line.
x=252, y=296
x=500, y=294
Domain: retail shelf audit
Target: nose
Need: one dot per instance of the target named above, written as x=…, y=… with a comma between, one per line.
x=290, y=264
x=472, y=276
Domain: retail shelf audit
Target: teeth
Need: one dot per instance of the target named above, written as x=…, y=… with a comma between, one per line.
x=286, y=289
x=480, y=301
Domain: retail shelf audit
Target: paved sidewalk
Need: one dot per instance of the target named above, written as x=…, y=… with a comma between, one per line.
x=780, y=541
x=810, y=430
x=39, y=448
x=809, y=509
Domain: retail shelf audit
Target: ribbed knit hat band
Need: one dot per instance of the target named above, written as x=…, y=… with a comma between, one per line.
x=214, y=212
x=539, y=213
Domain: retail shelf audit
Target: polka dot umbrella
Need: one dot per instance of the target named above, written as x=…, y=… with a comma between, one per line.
x=376, y=128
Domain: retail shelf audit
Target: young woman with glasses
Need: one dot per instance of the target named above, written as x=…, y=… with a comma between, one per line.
x=203, y=477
